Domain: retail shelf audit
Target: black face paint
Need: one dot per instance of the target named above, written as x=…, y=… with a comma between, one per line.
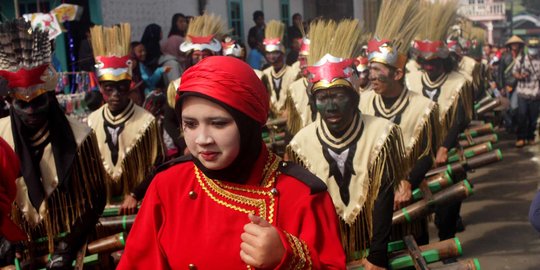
x=337, y=107
x=434, y=67
x=33, y=114
x=116, y=94
x=274, y=57
x=383, y=79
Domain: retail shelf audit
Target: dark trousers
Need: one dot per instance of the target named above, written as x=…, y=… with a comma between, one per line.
x=446, y=219
x=528, y=110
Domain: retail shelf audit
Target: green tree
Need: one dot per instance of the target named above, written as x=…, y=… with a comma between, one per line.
x=532, y=6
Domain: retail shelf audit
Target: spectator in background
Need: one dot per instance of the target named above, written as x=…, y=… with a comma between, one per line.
x=526, y=70
x=294, y=32
x=256, y=33
x=255, y=38
x=144, y=81
x=292, y=55
x=155, y=58
x=176, y=36
x=505, y=79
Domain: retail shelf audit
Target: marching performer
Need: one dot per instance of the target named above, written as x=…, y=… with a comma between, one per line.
x=437, y=78
x=279, y=76
x=358, y=156
x=57, y=200
x=129, y=137
x=390, y=99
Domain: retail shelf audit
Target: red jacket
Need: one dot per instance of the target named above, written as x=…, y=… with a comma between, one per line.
x=187, y=219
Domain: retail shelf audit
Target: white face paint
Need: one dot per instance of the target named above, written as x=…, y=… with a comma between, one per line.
x=211, y=133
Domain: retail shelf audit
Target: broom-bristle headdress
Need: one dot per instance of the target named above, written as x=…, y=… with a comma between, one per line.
x=25, y=56
x=396, y=27
x=332, y=51
x=439, y=16
x=273, y=36
x=205, y=32
x=304, y=44
x=110, y=46
x=232, y=48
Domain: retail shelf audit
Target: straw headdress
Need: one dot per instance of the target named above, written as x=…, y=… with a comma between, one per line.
x=273, y=36
x=439, y=16
x=205, y=32
x=396, y=27
x=110, y=46
x=333, y=47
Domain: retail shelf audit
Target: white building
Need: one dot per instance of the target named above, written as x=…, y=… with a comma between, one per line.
x=486, y=12
x=238, y=13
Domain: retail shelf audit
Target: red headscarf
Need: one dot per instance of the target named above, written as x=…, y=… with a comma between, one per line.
x=230, y=81
x=9, y=171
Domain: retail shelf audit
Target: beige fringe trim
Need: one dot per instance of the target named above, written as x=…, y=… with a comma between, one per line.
x=294, y=121
x=389, y=166
x=447, y=120
x=87, y=178
x=428, y=131
x=138, y=162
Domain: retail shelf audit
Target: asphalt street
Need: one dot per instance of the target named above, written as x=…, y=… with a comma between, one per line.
x=498, y=231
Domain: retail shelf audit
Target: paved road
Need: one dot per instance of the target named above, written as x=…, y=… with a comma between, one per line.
x=498, y=232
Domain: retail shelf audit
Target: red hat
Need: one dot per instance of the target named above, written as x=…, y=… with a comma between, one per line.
x=9, y=171
x=430, y=49
x=230, y=81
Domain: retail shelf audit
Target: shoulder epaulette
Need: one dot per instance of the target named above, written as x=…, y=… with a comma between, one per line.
x=313, y=182
x=163, y=166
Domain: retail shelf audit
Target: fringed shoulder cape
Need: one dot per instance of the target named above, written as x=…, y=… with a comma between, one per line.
x=378, y=159
x=277, y=84
x=62, y=205
x=417, y=116
x=139, y=145
x=299, y=111
x=452, y=90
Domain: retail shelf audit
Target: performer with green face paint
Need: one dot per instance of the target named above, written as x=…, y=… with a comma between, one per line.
x=390, y=99
x=357, y=156
x=435, y=76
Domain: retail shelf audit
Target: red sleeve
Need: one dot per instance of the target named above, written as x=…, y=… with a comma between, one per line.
x=143, y=250
x=9, y=170
x=315, y=243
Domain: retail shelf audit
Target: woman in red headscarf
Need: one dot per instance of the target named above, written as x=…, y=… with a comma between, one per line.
x=232, y=204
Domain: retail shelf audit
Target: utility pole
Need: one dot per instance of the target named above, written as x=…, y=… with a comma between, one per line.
x=511, y=18
x=16, y=6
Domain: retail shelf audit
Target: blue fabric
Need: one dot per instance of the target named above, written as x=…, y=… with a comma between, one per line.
x=150, y=80
x=534, y=212
x=255, y=59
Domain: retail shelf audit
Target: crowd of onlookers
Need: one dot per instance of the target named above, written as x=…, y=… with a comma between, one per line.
x=515, y=75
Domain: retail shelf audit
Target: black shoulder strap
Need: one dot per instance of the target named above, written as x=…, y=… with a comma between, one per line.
x=140, y=190
x=163, y=166
x=313, y=182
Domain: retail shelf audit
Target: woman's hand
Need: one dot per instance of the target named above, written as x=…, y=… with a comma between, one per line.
x=261, y=245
